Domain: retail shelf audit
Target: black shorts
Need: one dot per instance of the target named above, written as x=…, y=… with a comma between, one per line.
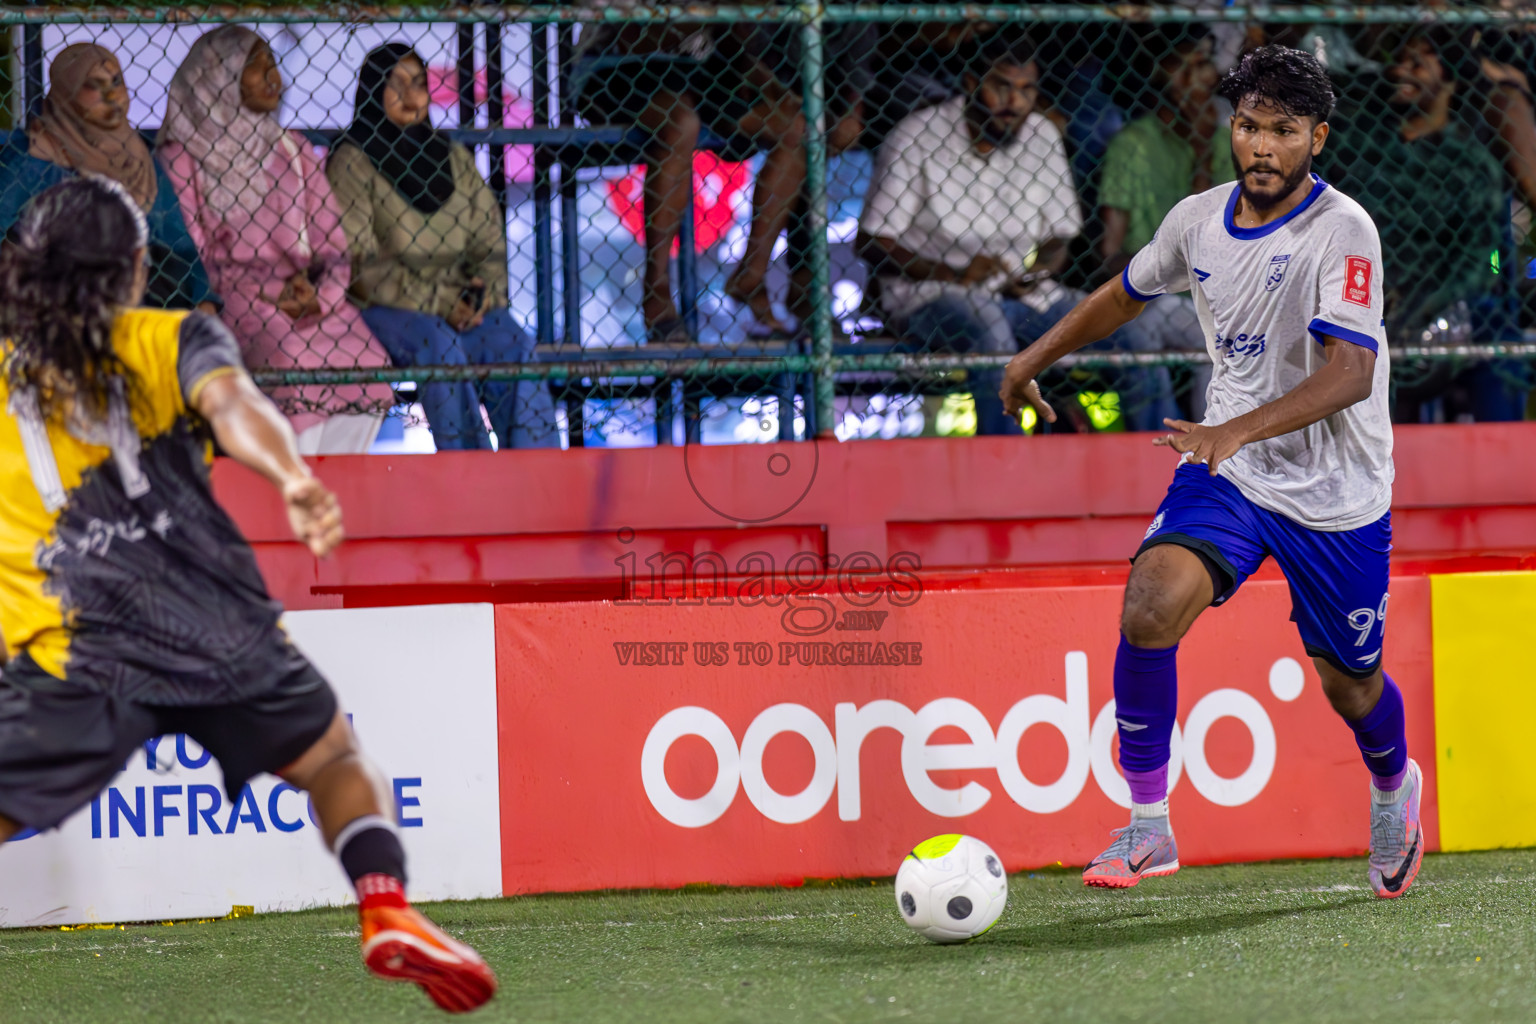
x=61, y=743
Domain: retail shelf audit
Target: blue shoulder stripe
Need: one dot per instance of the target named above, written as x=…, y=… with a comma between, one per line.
x=1319, y=327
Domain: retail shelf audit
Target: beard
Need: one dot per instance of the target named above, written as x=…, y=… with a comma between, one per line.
x=989, y=129
x=1268, y=201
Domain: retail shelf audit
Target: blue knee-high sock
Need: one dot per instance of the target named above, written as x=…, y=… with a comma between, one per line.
x=1146, y=700
x=1383, y=739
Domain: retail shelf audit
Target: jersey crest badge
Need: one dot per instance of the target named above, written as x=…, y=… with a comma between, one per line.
x=1357, y=280
x=1277, y=267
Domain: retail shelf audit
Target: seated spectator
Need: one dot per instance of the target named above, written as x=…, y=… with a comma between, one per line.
x=1438, y=198
x=671, y=80
x=84, y=129
x=961, y=197
x=849, y=49
x=429, y=258
x=1504, y=59
x=258, y=205
x=1180, y=147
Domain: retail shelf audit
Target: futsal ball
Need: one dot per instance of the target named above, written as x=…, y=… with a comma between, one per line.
x=951, y=888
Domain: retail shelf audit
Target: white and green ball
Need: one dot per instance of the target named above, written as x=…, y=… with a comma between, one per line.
x=951, y=888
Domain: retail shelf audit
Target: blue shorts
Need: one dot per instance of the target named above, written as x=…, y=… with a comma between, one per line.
x=1338, y=579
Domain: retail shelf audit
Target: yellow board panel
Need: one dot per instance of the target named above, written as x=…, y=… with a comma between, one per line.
x=1485, y=661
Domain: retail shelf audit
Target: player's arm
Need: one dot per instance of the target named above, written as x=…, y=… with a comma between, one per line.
x=1345, y=379
x=251, y=430
x=1107, y=310
x=1159, y=267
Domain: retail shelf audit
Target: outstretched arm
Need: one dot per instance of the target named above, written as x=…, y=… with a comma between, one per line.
x=251, y=430
x=1098, y=316
x=1345, y=379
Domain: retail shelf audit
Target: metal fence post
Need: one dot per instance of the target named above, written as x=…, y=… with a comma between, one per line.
x=570, y=234
x=31, y=72
x=543, y=200
x=570, y=222
x=812, y=58
x=496, y=107
x=464, y=70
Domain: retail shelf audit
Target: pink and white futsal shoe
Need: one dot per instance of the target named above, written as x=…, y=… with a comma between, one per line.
x=1397, y=838
x=1140, y=850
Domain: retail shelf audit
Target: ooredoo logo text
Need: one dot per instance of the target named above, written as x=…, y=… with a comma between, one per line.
x=836, y=745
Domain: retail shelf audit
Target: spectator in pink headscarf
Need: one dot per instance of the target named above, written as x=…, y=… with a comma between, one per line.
x=258, y=205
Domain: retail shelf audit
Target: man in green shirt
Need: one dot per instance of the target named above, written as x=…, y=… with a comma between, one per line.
x=1180, y=148
x=1413, y=159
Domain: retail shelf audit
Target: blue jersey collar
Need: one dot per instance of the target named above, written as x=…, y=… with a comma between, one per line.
x=1249, y=234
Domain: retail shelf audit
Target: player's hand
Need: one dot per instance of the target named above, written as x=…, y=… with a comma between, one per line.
x=1210, y=445
x=315, y=515
x=1019, y=388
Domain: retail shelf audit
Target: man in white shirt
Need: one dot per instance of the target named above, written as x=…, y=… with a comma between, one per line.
x=969, y=209
x=1293, y=460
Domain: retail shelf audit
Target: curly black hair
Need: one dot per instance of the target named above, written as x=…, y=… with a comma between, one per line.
x=1283, y=79
x=67, y=269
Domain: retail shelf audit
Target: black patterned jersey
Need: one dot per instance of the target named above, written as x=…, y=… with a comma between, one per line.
x=118, y=569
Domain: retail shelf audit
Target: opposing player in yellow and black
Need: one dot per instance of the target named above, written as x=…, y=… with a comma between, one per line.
x=130, y=605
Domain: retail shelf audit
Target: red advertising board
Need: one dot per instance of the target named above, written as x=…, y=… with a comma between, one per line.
x=655, y=745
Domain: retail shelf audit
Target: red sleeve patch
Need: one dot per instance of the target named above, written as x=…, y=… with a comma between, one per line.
x=1357, y=280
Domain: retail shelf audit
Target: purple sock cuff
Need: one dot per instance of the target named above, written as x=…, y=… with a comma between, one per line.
x=1145, y=658
x=1389, y=783
x=1148, y=787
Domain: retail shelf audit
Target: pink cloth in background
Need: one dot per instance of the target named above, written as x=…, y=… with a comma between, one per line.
x=443, y=86
x=251, y=252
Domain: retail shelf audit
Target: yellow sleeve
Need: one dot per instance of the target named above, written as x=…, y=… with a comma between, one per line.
x=149, y=343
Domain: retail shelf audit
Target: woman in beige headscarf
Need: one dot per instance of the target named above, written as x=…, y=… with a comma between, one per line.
x=84, y=129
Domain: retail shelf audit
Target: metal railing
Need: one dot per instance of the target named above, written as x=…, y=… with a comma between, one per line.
x=555, y=138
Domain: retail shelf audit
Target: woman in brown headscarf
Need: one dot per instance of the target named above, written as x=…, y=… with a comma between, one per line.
x=84, y=129
x=84, y=124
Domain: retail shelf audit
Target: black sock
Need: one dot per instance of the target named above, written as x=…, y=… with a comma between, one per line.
x=370, y=846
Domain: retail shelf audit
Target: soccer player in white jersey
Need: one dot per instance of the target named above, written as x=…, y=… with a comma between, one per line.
x=1293, y=459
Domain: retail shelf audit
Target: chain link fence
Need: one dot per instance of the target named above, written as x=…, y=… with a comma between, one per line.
x=619, y=223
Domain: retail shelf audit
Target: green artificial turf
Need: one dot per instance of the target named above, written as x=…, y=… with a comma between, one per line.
x=1298, y=941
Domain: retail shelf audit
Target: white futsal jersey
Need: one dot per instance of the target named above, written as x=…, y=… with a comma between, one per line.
x=1266, y=296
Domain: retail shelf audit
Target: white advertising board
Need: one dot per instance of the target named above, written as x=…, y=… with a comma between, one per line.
x=164, y=842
